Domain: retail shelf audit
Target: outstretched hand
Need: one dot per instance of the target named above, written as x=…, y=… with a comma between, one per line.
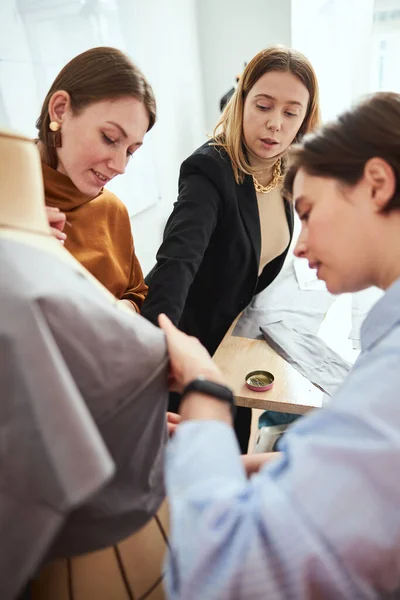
x=188, y=358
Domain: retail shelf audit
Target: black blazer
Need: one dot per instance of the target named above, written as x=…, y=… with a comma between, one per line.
x=207, y=265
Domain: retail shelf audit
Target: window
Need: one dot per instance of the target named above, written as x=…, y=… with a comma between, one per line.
x=385, y=45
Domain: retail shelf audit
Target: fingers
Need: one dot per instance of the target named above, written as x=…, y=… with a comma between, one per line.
x=165, y=323
x=59, y=235
x=173, y=418
x=169, y=328
x=56, y=218
x=54, y=214
x=173, y=421
x=171, y=429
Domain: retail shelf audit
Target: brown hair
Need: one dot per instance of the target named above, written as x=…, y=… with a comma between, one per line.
x=228, y=132
x=98, y=74
x=341, y=149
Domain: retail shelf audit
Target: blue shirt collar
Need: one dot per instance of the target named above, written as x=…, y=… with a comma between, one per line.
x=382, y=318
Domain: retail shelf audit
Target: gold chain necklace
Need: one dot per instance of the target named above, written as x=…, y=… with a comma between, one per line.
x=276, y=179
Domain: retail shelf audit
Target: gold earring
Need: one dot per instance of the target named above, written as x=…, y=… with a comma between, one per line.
x=54, y=135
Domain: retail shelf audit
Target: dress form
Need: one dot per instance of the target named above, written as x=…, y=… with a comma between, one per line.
x=23, y=220
x=21, y=181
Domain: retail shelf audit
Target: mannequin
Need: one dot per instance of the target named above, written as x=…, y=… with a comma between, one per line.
x=83, y=425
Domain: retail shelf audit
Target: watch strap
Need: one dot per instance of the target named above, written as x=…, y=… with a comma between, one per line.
x=202, y=385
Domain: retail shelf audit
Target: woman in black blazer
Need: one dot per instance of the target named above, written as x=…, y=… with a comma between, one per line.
x=230, y=230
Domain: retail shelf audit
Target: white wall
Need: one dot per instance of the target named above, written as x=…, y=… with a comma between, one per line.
x=165, y=42
x=231, y=32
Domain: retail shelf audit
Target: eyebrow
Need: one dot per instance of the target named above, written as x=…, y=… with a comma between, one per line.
x=274, y=99
x=118, y=127
x=123, y=132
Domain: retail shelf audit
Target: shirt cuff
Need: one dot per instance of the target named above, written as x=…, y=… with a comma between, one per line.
x=200, y=452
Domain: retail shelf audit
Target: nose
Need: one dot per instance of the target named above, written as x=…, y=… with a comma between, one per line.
x=274, y=121
x=301, y=247
x=118, y=163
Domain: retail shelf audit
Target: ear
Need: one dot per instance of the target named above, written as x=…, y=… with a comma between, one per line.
x=59, y=105
x=381, y=180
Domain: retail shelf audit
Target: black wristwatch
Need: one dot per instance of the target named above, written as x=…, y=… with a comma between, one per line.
x=210, y=388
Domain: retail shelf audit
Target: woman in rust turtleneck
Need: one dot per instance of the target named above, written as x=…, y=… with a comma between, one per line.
x=93, y=119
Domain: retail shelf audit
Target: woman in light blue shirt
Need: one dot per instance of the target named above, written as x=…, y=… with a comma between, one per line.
x=323, y=519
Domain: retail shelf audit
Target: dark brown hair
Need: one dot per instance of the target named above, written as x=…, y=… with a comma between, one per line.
x=341, y=149
x=228, y=132
x=98, y=74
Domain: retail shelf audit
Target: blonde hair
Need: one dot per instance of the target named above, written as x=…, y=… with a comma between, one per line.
x=228, y=133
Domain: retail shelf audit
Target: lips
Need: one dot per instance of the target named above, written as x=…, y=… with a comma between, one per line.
x=314, y=265
x=102, y=178
x=269, y=141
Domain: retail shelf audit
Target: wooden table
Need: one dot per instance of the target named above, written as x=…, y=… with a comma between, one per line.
x=291, y=393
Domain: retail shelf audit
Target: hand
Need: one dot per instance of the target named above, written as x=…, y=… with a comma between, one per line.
x=129, y=305
x=173, y=421
x=253, y=462
x=57, y=222
x=188, y=358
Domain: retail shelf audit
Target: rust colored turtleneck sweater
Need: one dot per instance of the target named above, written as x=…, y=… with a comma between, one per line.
x=99, y=236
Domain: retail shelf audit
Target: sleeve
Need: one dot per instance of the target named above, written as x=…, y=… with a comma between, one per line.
x=321, y=522
x=186, y=238
x=121, y=370
x=137, y=289
x=52, y=457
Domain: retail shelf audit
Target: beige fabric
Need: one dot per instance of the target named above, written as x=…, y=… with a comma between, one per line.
x=97, y=576
x=275, y=235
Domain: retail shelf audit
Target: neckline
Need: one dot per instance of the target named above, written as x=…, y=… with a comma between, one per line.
x=60, y=191
x=269, y=163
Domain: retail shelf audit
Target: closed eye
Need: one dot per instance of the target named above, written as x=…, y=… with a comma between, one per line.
x=112, y=142
x=130, y=152
x=290, y=114
x=107, y=139
x=261, y=107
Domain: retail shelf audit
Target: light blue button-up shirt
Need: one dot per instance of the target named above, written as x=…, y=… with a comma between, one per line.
x=321, y=522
